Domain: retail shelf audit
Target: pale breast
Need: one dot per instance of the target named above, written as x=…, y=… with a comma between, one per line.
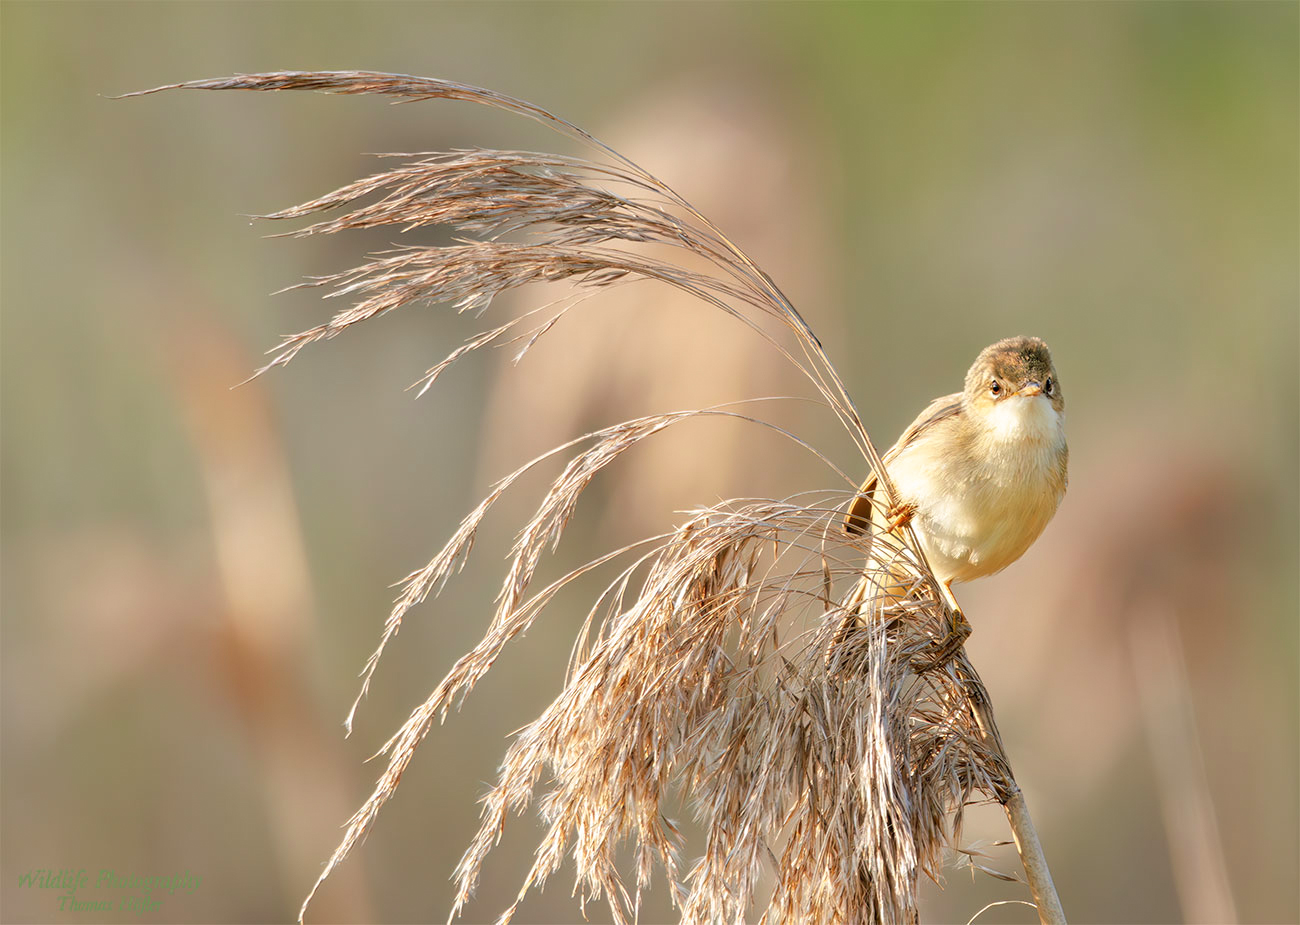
x=985, y=500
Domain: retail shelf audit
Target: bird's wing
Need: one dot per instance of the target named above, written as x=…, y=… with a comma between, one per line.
x=858, y=518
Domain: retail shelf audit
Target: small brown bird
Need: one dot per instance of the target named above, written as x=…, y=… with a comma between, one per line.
x=980, y=472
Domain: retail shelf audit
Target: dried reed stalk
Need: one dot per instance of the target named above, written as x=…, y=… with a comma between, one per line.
x=805, y=699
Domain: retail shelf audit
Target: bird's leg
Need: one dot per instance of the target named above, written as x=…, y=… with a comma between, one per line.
x=959, y=629
x=900, y=515
x=945, y=588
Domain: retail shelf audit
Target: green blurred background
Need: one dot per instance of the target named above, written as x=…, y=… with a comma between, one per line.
x=193, y=576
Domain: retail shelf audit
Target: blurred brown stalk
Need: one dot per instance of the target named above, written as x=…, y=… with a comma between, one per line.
x=747, y=663
x=267, y=617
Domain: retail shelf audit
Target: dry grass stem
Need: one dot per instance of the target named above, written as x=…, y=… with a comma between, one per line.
x=787, y=683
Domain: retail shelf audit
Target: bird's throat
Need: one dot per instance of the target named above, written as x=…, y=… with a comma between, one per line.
x=1024, y=421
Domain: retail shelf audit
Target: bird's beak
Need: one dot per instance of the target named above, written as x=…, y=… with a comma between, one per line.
x=1031, y=388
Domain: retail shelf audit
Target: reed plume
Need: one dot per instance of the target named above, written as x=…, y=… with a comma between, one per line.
x=823, y=731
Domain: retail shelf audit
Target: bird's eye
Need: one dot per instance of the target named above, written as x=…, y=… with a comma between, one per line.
x=1048, y=386
x=995, y=387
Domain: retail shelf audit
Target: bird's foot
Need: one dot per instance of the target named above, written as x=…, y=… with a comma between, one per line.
x=958, y=631
x=900, y=515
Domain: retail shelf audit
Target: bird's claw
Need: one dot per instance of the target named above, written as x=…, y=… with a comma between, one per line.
x=900, y=515
x=959, y=630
